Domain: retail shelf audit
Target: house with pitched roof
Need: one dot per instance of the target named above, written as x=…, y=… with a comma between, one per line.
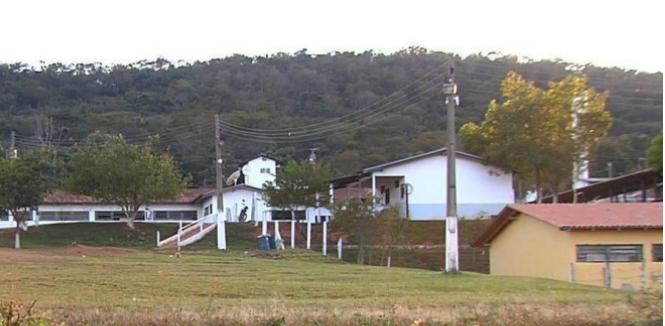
x=616, y=245
x=417, y=185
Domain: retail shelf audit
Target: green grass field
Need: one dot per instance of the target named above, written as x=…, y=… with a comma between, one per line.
x=140, y=285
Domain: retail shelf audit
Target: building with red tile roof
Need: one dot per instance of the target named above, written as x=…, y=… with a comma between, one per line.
x=578, y=243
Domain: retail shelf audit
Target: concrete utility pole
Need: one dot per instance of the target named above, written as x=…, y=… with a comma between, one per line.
x=452, y=250
x=221, y=217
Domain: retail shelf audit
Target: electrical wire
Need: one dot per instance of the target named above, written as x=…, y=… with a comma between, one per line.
x=329, y=128
x=271, y=140
x=368, y=108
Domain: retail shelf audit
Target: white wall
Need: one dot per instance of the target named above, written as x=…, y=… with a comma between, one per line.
x=479, y=192
x=256, y=178
x=233, y=202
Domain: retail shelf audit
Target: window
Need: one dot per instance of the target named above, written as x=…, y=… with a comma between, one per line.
x=176, y=215
x=63, y=216
x=116, y=216
x=208, y=210
x=657, y=251
x=611, y=253
x=265, y=170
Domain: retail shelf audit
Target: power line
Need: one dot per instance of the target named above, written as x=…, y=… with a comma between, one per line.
x=368, y=108
x=330, y=128
x=301, y=140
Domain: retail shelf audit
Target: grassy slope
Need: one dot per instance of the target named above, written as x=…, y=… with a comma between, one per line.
x=242, y=237
x=115, y=234
x=61, y=280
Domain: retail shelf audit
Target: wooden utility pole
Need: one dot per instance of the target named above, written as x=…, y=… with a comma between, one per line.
x=221, y=219
x=452, y=250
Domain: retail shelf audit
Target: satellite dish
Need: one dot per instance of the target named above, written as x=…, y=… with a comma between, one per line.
x=245, y=170
x=409, y=188
x=231, y=181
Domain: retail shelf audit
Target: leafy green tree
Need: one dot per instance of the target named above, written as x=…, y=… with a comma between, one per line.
x=24, y=181
x=116, y=172
x=533, y=130
x=655, y=154
x=369, y=227
x=297, y=185
x=392, y=230
x=358, y=219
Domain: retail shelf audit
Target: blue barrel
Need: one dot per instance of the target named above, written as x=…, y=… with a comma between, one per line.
x=271, y=243
x=263, y=242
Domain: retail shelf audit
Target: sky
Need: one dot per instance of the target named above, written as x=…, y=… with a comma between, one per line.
x=622, y=34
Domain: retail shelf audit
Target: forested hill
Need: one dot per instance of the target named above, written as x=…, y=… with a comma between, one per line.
x=383, y=106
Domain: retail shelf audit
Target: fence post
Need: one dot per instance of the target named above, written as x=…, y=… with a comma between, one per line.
x=571, y=272
x=158, y=237
x=607, y=272
x=309, y=234
x=340, y=244
x=325, y=238
x=643, y=276
x=293, y=234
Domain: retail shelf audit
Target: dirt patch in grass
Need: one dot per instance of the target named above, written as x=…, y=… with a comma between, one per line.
x=76, y=248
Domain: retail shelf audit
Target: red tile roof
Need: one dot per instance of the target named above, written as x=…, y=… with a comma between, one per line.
x=59, y=197
x=579, y=217
x=599, y=215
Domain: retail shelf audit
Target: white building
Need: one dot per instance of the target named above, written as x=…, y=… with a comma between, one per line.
x=191, y=205
x=418, y=185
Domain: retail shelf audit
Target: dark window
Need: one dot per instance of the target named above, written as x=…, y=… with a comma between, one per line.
x=176, y=215
x=116, y=216
x=4, y=215
x=610, y=253
x=63, y=216
x=657, y=251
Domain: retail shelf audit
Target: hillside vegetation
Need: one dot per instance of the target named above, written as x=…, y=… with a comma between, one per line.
x=58, y=105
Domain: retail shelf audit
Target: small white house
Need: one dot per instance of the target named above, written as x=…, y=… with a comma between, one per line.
x=418, y=185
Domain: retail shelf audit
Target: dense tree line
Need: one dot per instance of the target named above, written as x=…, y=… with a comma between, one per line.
x=58, y=105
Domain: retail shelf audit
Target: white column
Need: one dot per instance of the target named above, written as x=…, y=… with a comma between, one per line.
x=452, y=263
x=221, y=231
x=325, y=238
x=373, y=185
x=339, y=248
x=309, y=234
x=264, y=225
x=293, y=234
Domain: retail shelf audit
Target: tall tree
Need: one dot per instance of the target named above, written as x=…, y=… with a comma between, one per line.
x=116, y=172
x=655, y=154
x=297, y=185
x=540, y=133
x=24, y=181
